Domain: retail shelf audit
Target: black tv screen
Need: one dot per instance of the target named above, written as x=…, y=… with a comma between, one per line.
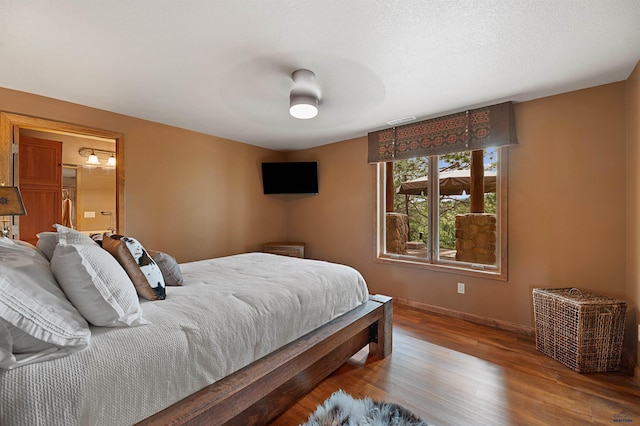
x=297, y=177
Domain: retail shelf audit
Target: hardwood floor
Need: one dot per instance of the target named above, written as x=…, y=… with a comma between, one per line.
x=452, y=372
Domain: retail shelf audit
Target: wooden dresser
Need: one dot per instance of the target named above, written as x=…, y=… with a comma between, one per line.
x=285, y=249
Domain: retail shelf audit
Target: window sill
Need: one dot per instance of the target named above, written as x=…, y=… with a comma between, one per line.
x=402, y=261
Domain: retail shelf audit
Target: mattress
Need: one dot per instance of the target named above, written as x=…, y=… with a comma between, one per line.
x=230, y=312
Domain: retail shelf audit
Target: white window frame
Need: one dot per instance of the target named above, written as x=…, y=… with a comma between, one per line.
x=499, y=271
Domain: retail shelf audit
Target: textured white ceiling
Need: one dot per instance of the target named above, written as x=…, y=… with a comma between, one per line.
x=223, y=67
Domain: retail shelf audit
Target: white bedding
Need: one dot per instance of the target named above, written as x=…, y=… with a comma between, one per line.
x=230, y=312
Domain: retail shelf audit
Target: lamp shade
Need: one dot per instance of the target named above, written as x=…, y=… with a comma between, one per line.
x=93, y=159
x=11, y=201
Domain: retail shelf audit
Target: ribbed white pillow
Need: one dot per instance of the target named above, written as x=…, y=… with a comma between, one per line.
x=37, y=322
x=95, y=283
x=47, y=241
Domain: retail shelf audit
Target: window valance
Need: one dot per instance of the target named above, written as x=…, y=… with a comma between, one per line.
x=470, y=130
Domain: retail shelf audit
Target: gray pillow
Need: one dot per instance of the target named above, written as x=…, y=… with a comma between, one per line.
x=168, y=266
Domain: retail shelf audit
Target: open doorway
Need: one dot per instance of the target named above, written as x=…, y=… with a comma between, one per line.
x=74, y=189
x=100, y=216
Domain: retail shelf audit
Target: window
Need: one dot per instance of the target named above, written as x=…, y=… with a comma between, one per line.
x=427, y=214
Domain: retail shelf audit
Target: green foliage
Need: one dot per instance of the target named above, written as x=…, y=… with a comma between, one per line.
x=416, y=207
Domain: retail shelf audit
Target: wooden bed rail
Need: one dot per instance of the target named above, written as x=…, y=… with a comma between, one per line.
x=261, y=391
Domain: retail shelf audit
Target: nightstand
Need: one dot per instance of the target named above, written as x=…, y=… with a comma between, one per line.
x=285, y=249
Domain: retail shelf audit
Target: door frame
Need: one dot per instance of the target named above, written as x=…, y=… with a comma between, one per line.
x=10, y=125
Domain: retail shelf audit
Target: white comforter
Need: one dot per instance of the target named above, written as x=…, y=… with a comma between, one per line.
x=230, y=312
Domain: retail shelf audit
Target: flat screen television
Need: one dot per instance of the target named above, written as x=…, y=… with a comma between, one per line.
x=294, y=177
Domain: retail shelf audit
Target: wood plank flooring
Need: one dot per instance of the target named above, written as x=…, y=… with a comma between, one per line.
x=452, y=372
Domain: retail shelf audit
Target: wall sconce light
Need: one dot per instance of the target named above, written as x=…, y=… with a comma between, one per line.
x=93, y=156
x=10, y=205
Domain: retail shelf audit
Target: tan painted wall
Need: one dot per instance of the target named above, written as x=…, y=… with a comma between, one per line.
x=192, y=195
x=96, y=193
x=198, y=196
x=568, y=172
x=633, y=210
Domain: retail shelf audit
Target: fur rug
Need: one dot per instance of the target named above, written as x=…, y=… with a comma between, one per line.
x=342, y=409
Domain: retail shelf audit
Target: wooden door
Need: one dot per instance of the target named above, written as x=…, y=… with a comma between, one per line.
x=40, y=181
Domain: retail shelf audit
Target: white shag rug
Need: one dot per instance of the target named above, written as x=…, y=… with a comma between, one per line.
x=342, y=409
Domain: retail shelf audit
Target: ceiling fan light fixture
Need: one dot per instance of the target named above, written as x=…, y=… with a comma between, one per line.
x=303, y=107
x=304, y=97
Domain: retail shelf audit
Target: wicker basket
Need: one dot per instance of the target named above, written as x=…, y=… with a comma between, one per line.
x=582, y=330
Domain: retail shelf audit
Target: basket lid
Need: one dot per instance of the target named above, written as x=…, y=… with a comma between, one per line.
x=578, y=296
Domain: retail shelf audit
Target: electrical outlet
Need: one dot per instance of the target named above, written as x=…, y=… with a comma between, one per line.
x=461, y=288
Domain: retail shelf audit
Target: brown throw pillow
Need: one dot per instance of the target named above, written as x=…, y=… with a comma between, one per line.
x=138, y=264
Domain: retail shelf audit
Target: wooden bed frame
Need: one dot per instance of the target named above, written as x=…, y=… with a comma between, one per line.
x=259, y=392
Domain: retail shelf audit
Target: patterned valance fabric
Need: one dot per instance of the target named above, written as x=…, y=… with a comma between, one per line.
x=470, y=130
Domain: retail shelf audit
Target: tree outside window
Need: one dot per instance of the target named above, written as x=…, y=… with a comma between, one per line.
x=440, y=227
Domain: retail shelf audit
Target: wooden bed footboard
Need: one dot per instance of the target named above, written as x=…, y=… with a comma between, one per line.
x=261, y=391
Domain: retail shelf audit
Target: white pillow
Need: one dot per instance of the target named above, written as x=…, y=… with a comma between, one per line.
x=31, y=246
x=47, y=241
x=37, y=322
x=95, y=283
x=72, y=236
